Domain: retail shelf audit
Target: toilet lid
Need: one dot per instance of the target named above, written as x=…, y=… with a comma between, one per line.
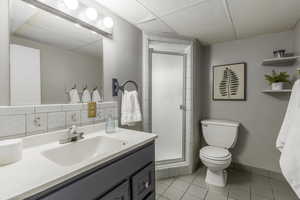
x=215, y=152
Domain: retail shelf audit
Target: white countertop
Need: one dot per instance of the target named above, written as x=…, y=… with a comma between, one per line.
x=35, y=173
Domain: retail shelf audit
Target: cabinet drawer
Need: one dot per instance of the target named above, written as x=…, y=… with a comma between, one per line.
x=119, y=193
x=143, y=183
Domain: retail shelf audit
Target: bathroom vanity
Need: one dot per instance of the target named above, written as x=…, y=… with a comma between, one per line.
x=117, y=166
x=130, y=176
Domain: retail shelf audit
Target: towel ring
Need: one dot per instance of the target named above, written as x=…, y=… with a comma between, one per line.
x=116, y=87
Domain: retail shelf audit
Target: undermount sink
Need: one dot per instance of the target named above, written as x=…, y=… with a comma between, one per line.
x=77, y=152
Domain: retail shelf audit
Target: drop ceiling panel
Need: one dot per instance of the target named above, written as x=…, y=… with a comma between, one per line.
x=264, y=16
x=206, y=21
x=131, y=10
x=155, y=26
x=162, y=7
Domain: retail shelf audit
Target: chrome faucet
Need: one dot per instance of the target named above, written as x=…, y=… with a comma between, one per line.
x=73, y=136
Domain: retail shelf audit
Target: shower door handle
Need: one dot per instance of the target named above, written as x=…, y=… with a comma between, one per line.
x=182, y=107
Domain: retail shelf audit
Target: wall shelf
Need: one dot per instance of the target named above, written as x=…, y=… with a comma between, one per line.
x=277, y=91
x=285, y=61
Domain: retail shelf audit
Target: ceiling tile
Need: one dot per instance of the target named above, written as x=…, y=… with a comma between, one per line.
x=206, y=21
x=130, y=10
x=155, y=26
x=264, y=16
x=162, y=7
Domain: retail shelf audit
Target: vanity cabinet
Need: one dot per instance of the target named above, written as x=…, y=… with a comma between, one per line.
x=128, y=177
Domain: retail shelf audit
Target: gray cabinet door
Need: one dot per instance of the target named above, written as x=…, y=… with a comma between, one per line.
x=143, y=183
x=119, y=193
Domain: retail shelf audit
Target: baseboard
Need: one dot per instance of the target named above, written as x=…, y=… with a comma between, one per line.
x=257, y=171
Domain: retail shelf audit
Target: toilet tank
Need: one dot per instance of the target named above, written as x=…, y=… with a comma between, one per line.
x=220, y=133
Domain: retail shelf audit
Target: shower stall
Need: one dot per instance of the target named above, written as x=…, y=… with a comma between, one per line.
x=168, y=102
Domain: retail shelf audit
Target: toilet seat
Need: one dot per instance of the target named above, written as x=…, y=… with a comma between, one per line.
x=215, y=153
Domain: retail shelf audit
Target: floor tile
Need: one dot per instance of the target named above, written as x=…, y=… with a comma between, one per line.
x=241, y=186
x=187, y=179
x=179, y=185
x=173, y=193
x=162, y=185
x=239, y=195
x=200, y=181
x=197, y=191
x=215, y=196
x=189, y=197
x=261, y=186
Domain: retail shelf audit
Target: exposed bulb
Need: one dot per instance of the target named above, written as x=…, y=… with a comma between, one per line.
x=108, y=22
x=71, y=4
x=91, y=13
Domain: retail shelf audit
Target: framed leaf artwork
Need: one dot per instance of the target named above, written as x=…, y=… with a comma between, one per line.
x=229, y=82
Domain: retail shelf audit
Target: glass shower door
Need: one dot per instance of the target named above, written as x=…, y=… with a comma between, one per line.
x=167, y=104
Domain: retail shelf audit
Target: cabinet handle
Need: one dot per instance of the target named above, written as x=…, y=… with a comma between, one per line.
x=146, y=184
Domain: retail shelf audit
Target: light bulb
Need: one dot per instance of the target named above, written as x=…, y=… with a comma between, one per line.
x=71, y=4
x=108, y=22
x=91, y=13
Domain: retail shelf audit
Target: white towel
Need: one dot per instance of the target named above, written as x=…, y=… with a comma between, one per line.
x=74, y=96
x=288, y=141
x=130, y=108
x=86, y=96
x=96, y=97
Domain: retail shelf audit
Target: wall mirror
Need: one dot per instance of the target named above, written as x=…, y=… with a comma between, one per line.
x=49, y=56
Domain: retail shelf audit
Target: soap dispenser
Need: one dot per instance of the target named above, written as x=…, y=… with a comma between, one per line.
x=111, y=124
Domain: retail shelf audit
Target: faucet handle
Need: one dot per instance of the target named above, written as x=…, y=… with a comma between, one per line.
x=73, y=129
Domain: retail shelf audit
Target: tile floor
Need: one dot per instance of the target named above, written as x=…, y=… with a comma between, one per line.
x=241, y=186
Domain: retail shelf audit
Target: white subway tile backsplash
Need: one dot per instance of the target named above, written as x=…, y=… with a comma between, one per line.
x=107, y=104
x=100, y=117
x=16, y=110
x=48, y=108
x=73, y=118
x=85, y=119
x=12, y=125
x=72, y=107
x=56, y=120
x=36, y=122
x=19, y=121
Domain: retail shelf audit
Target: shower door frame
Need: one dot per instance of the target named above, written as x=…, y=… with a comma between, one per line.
x=182, y=107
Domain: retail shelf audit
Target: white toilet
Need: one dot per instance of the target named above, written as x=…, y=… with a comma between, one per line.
x=220, y=135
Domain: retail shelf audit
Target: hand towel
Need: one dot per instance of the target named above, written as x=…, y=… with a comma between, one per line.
x=130, y=108
x=288, y=141
x=86, y=96
x=74, y=96
x=96, y=97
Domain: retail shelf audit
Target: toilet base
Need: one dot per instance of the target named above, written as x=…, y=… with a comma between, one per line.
x=216, y=178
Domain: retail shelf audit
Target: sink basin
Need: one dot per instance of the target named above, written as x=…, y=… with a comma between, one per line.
x=80, y=151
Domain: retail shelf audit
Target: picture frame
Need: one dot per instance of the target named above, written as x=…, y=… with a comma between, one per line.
x=229, y=82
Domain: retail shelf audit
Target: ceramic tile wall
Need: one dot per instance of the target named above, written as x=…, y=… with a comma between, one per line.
x=20, y=121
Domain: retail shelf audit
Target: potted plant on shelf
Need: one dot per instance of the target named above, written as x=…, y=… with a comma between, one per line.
x=276, y=80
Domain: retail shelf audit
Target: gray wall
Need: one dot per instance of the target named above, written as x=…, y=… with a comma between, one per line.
x=262, y=114
x=297, y=39
x=4, y=53
x=122, y=55
x=61, y=69
x=122, y=59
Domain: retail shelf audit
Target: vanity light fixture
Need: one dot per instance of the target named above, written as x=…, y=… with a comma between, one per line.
x=108, y=22
x=71, y=4
x=91, y=13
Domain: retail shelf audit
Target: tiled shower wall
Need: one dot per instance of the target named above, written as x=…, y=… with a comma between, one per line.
x=20, y=121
